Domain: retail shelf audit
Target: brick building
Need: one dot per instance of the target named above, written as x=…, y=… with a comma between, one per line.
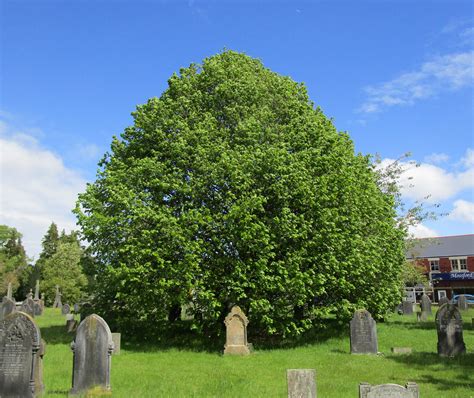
x=448, y=262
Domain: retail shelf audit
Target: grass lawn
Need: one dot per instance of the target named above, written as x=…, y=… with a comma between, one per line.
x=180, y=370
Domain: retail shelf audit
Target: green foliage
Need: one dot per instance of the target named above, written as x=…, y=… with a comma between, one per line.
x=413, y=274
x=63, y=268
x=13, y=260
x=231, y=188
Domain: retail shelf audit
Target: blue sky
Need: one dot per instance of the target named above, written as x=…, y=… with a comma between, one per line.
x=396, y=75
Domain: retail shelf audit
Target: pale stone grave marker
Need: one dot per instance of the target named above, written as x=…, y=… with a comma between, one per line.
x=65, y=309
x=363, y=333
x=425, y=304
x=57, y=299
x=28, y=307
x=116, y=338
x=366, y=390
x=20, y=343
x=463, y=305
x=8, y=306
x=236, y=333
x=449, y=327
x=407, y=307
x=301, y=383
x=92, y=347
x=401, y=350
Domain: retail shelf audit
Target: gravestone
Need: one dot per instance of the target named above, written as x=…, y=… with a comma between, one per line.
x=37, y=289
x=28, y=307
x=57, y=299
x=366, y=390
x=30, y=294
x=443, y=300
x=462, y=303
x=65, y=309
x=116, y=338
x=363, y=333
x=301, y=383
x=8, y=306
x=236, y=333
x=407, y=307
x=38, y=307
x=20, y=342
x=425, y=304
x=9, y=291
x=39, y=367
x=449, y=327
x=76, y=308
x=421, y=316
x=92, y=348
x=71, y=325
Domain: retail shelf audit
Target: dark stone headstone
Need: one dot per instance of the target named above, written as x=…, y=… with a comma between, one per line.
x=28, y=307
x=449, y=326
x=366, y=390
x=425, y=304
x=463, y=305
x=301, y=383
x=363, y=333
x=20, y=342
x=8, y=306
x=65, y=309
x=76, y=308
x=92, y=347
x=443, y=300
x=407, y=307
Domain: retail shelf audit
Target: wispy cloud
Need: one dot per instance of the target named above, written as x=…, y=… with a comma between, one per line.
x=443, y=73
x=463, y=211
x=436, y=158
x=36, y=187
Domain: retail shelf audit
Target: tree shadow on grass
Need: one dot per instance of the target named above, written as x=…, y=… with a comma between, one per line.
x=180, y=336
x=435, y=367
x=415, y=325
x=56, y=334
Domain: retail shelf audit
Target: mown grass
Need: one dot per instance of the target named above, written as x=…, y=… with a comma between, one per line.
x=176, y=369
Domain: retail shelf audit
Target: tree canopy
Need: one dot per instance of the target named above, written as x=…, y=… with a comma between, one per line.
x=233, y=188
x=13, y=260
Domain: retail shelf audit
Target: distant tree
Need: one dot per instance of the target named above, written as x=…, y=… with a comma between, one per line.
x=63, y=268
x=232, y=188
x=13, y=259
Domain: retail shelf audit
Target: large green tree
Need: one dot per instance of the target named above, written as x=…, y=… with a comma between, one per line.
x=232, y=188
x=13, y=260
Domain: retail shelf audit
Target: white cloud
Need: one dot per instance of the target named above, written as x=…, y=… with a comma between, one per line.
x=436, y=158
x=89, y=151
x=432, y=183
x=463, y=211
x=443, y=73
x=468, y=159
x=422, y=231
x=36, y=189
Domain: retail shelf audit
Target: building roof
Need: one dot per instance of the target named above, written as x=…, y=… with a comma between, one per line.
x=444, y=246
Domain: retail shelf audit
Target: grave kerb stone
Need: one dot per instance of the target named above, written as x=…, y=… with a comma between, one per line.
x=389, y=390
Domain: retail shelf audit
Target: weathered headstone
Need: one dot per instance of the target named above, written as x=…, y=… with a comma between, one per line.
x=92, y=349
x=28, y=307
x=421, y=316
x=301, y=383
x=76, y=308
x=425, y=304
x=57, y=299
x=20, y=342
x=236, y=333
x=8, y=306
x=39, y=367
x=366, y=390
x=9, y=291
x=363, y=333
x=37, y=290
x=407, y=307
x=38, y=307
x=116, y=338
x=443, y=300
x=65, y=309
x=71, y=325
x=449, y=327
x=462, y=303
